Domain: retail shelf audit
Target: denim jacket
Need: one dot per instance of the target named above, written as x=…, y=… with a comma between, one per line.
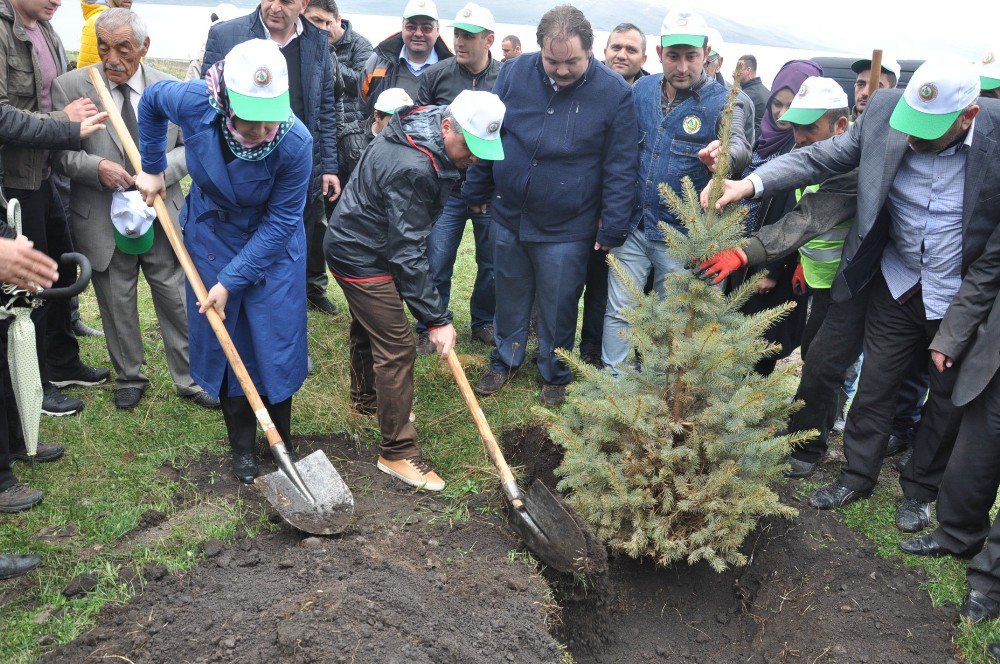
x=669, y=146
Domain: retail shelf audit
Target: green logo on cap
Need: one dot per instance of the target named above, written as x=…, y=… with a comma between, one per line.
x=262, y=76
x=928, y=92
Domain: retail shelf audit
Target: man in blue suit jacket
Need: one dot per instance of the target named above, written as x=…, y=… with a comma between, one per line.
x=310, y=85
x=566, y=185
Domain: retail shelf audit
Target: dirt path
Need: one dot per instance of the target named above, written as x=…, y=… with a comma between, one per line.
x=395, y=588
x=402, y=586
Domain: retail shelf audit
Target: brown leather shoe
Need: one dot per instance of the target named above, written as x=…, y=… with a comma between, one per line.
x=45, y=452
x=491, y=382
x=18, y=498
x=414, y=472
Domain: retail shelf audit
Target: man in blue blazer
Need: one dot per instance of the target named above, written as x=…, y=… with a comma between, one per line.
x=565, y=186
x=310, y=85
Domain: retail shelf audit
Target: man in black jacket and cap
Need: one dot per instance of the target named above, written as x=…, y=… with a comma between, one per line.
x=376, y=247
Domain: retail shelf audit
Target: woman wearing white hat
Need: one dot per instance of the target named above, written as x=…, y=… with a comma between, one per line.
x=250, y=160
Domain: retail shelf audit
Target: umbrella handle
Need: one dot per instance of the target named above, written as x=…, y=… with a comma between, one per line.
x=485, y=432
x=76, y=287
x=190, y=271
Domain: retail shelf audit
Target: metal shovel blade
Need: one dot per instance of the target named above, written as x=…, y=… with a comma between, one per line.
x=334, y=504
x=554, y=533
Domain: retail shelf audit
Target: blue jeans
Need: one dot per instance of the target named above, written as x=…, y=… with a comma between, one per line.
x=638, y=256
x=442, y=250
x=552, y=275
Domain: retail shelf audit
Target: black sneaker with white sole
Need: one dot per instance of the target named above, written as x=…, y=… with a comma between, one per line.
x=82, y=375
x=57, y=404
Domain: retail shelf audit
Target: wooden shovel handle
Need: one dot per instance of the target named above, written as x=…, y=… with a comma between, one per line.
x=876, y=72
x=492, y=448
x=190, y=271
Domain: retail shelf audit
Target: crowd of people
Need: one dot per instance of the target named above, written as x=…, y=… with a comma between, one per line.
x=313, y=152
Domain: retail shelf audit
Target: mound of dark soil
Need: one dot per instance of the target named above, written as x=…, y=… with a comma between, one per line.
x=396, y=588
x=814, y=591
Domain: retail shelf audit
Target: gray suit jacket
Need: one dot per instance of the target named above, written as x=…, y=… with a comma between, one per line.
x=970, y=331
x=90, y=205
x=877, y=151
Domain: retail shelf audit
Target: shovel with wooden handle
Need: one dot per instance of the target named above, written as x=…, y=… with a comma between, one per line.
x=309, y=493
x=545, y=525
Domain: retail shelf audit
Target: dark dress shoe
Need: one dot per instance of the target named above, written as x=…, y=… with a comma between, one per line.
x=203, y=399
x=322, y=304
x=45, y=452
x=977, y=607
x=898, y=444
x=81, y=329
x=800, y=469
x=18, y=498
x=12, y=565
x=245, y=467
x=836, y=495
x=491, y=382
x=552, y=395
x=913, y=515
x=127, y=398
x=484, y=335
x=926, y=546
x=904, y=458
x=994, y=650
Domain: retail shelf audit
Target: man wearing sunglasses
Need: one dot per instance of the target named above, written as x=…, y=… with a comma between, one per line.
x=400, y=60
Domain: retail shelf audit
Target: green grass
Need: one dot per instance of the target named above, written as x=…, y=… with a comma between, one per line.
x=946, y=585
x=111, y=472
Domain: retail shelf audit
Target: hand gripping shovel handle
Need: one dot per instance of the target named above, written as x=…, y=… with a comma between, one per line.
x=191, y=272
x=485, y=432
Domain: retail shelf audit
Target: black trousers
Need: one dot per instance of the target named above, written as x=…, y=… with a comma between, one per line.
x=11, y=436
x=595, y=302
x=241, y=423
x=43, y=221
x=314, y=218
x=969, y=489
x=832, y=342
x=894, y=333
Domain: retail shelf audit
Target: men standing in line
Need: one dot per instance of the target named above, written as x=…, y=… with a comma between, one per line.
x=568, y=179
x=400, y=60
x=887, y=79
x=311, y=87
x=511, y=47
x=755, y=89
x=472, y=68
x=376, y=248
x=928, y=167
x=679, y=114
x=33, y=58
x=101, y=174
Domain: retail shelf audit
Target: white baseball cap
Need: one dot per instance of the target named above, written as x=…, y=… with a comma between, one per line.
x=715, y=41
x=391, y=99
x=480, y=115
x=133, y=222
x=989, y=70
x=420, y=8
x=816, y=96
x=683, y=26
x=256, y=77
x=474, y=18
x=937, y=92
x=889, y=66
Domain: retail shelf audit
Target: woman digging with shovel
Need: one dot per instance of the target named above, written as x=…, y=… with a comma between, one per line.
x=250, y=160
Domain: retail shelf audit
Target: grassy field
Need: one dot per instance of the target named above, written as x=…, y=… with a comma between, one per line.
x=112, y=474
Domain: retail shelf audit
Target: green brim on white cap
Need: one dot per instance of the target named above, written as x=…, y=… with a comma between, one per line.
x=492, y=150
x=802, y=116
x=134, y=245
x=928, y=126
x=260, y=109
x=468, y=27
x=698, y=41
x=988, y=83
